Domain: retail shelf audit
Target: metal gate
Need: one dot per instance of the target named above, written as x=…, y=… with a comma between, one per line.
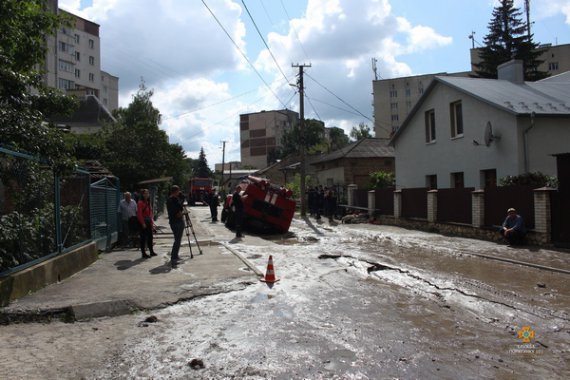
x=104, y=197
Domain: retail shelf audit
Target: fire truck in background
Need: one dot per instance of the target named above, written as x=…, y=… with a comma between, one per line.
x=197, y=188
x=267, y=207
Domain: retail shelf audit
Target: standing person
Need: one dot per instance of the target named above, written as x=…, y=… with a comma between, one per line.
x=331, y=205
x=237, y=205
x=513, y=229
x=214, y=203
x=320, y=198
x=176, y=220
x=128, y=210
x=146, y=222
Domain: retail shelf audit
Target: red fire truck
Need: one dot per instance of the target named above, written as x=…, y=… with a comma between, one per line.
x=266, y=207
x=197, y=188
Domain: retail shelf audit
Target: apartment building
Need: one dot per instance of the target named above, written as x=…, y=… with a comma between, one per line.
x=395, y=98
x=73, y=62
x=261, y=133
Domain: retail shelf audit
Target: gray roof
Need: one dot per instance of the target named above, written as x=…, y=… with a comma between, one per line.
x=548, y=98
x=365, y=148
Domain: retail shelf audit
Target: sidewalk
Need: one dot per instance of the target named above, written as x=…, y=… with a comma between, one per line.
x=120, y=281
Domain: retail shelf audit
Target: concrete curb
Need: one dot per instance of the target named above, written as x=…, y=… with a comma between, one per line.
x=249, y=264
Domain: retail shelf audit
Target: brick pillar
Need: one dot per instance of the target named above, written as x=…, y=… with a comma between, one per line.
x=351, y=189
x=432, y=206
x=478, y=208
x=397, y=204
x=371, y=202
x=542, y=212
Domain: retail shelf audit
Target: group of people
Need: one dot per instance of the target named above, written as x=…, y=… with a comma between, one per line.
x=137, y=216
x=322, y=201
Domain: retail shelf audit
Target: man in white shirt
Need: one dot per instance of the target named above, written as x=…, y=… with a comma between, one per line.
x=128, y=210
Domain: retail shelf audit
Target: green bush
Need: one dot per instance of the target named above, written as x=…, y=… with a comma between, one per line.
x=535, y=179
x=381, y=179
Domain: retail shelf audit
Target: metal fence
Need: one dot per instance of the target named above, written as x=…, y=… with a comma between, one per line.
x=454, y=205
x=414, y=203
x=43, y=215
x=360, y=198
x=103, y=204
x=499, y=199
x=385, y=200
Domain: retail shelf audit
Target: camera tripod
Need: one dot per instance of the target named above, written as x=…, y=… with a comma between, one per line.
x=188, y=227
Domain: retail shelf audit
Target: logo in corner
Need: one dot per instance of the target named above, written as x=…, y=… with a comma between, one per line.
x=526, y=334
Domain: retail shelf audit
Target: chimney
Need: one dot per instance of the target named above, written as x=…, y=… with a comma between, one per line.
x=513, y=71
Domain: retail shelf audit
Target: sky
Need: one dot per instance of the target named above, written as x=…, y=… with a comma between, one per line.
x=208, y=61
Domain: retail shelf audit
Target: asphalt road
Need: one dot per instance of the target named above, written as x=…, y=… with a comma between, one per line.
x=352, y=302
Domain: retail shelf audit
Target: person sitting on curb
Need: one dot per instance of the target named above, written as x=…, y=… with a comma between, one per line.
x=513, y=229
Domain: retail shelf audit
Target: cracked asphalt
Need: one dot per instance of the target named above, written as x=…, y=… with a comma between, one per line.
x=353, y=302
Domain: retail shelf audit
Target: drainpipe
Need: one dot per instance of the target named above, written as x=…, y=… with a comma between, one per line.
x=525, y=143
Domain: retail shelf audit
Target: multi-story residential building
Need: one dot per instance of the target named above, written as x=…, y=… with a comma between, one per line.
x=395, y=98
x=261, y=133
x=73, y=62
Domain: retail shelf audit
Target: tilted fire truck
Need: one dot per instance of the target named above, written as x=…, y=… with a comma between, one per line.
x=267, y=207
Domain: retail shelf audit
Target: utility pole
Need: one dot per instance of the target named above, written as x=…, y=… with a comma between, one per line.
x=302, y=137
x=223, y=168
x=527, y=11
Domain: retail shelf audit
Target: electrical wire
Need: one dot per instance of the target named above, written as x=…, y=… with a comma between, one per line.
x=209, y=105
x=243, y=54
x=265, y=43
x=294, y=30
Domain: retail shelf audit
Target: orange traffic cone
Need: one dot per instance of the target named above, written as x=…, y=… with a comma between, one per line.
x=270, y=274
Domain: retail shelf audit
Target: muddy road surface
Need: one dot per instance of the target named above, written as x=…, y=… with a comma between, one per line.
x=352, y=302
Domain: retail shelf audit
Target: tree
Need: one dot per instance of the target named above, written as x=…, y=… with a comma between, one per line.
x=291, y=141
x=201, y=169
x=360, y=132
x=136, y=149
x=508, y=38
x=26, y=102
x=338, y=139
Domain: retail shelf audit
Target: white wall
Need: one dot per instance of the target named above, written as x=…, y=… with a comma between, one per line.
x=415, y=159
x=548, y=136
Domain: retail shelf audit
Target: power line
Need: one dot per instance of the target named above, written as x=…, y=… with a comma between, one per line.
x=313, y=107
x=243, y=54
x=294, y=30
x=339, y=98
x=265, y=43
x=209, y=105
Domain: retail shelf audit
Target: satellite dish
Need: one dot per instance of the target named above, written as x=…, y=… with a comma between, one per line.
x=489, y=136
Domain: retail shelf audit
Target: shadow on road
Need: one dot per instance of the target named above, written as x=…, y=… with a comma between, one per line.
x=126, y=264
x=165, y=268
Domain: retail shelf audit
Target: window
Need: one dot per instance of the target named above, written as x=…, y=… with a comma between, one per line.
x=77, y=73
x=65, y=84
x=91, y=60
x=456, y=116
x=553, y=66
x=431, y=181
x=66, y=66
x=393, y=93
x=489, y=178
x=77, y=56
x=91, y=77
x=77, y=38
x=395, y=117
x=408, y=92
x=457, y=180
x=394, y=106
x=91, y=43
x=430, y=126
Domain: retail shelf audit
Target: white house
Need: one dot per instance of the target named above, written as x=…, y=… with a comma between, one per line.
x=470, y=132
